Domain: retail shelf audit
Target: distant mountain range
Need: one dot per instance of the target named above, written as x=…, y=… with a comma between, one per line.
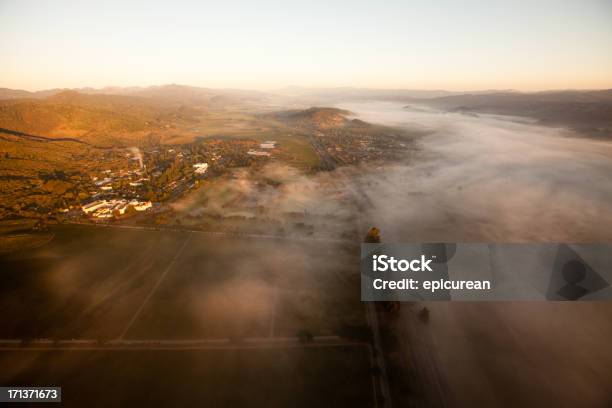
x=586, y=111
x=110, y=116
x=175, y=93
x=113, y=114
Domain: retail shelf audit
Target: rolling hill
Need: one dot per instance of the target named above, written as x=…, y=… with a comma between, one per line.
x=69, y=114
x=315, y=117
x=96, y=118
x=122, y=116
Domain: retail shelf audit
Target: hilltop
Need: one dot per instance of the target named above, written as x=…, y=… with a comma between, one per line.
x=6, y=93
x=101, y=119
x=315, y=117
x=98, y=119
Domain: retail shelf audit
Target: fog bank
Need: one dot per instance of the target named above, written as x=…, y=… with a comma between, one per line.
x=489, y=178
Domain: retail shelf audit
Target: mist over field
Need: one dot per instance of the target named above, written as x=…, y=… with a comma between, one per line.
x=500, y=179
x=276, y=188
x=468, y=178
x=488, y=178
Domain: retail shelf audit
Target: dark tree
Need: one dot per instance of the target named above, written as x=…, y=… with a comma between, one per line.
x=373, y=236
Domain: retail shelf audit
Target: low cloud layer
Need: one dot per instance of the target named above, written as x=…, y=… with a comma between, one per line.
x=486, y=178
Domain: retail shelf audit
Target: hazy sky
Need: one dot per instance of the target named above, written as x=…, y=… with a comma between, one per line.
x=456, y=45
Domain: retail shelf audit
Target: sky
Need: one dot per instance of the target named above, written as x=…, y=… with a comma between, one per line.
x=266, y=44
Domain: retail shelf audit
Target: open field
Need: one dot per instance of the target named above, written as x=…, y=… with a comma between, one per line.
x=17, y=242
x=302, y=377
x=229, y=124
x=518, y=353
x=80, y=284
x=176, y=285
x=257, y=290
x=16, y=226
x=222, y=314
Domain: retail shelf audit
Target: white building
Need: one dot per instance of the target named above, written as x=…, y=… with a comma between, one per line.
x=104, y=181
x=268, y=144
x=200, y=168
x=107, y=208
x=91, y=207
x=103, y=213
x=141, y=205
x=120, y=206
x=258, y=153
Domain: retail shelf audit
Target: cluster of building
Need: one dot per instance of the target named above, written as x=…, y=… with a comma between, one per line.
x=110, y=208
x=353, y=146
x=104, y=183
x=113, y=183
x=116, y=190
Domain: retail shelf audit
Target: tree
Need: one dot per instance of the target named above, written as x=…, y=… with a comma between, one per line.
x=373, y=236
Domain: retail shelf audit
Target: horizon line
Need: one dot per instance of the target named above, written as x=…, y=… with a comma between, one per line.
x=339, y=87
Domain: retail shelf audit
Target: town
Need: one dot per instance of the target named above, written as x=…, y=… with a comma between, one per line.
x=144, y=179
x=108, y=184
x=87, y=183
x=354, y=145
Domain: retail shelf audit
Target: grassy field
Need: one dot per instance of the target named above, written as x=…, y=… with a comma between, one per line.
x=84, y=283
x=252, y=288
x=239, y=125
x=230, y=378
x=90, y=282
x=119, y=283
x=20, y=242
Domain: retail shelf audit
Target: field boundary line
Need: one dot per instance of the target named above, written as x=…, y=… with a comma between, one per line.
x=212, y=233
x=155, y=287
